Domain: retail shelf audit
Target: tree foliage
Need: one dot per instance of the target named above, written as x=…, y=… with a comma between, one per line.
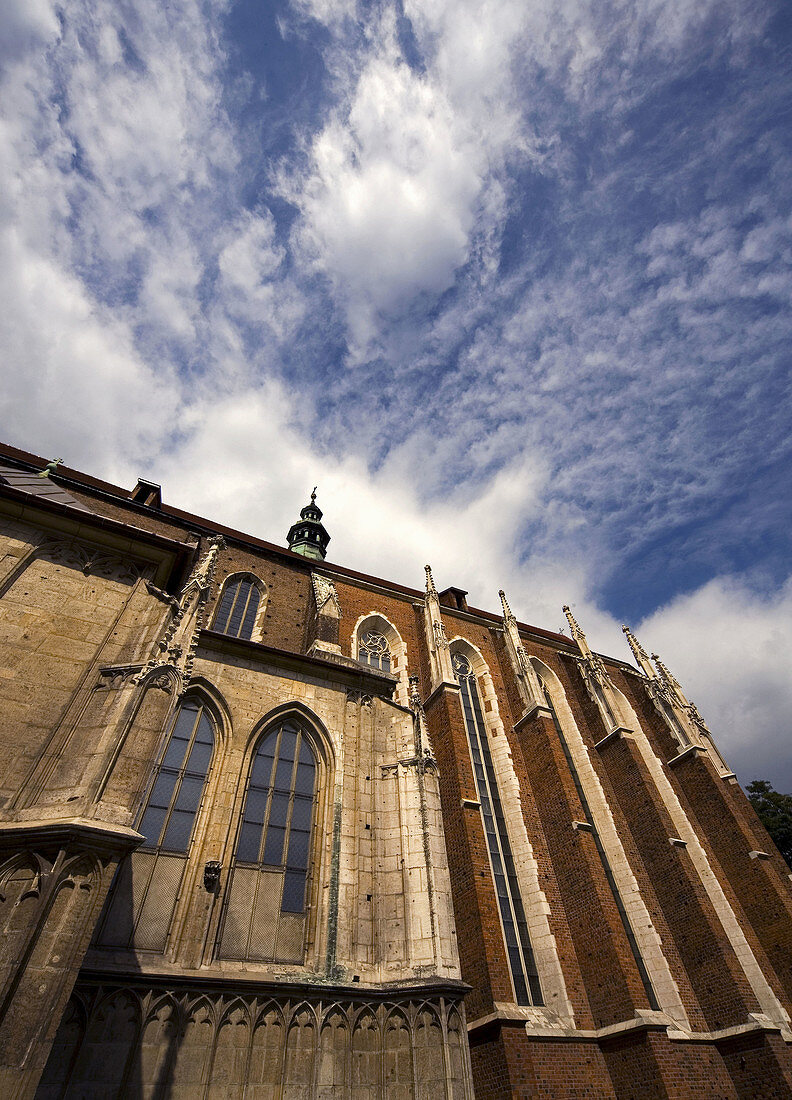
x=775, y=813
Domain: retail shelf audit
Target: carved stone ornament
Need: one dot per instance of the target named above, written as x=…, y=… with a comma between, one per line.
x=91, y=560
x=179, y=643
x=114, y=678
x=361, y=698
x=441, y=641
x=324, y=590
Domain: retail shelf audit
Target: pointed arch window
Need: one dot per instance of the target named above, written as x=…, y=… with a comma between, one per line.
x=515, y=927
x=266, y=907
x=373, y=649
x=239, y=606
x=169, y=815
x=143, y=897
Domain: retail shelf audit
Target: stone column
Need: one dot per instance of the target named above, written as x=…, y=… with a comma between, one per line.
x=53, y=881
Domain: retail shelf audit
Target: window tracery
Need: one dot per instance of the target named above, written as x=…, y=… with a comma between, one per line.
x=373, y=650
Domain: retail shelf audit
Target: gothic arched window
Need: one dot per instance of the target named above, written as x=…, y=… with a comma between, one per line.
x=147, y=884
x=238, y=607
x=373, y=649
x=515, y=927
x=172, y=804
x=266, y=906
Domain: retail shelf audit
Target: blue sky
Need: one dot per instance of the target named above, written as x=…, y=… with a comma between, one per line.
x=510, y=281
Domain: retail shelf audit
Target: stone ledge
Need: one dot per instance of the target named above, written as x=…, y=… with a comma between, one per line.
x=690, y=753
x=102, y=836
x=436, y=691
x=645, y=1020
x=311, y=984
x=615, y=735
x=344, y=670
x=538, y=710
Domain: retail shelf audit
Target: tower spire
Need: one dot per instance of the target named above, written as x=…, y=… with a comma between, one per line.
x=576, y=632
x=640, y=654
x=308, y=536
x=508, y=617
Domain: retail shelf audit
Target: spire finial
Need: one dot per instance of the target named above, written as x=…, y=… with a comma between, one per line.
x=576, y=632
x=663, y=670
x=640, y=654
x=50, y=468
x=430, y=584
x=507, y=611
x=573, y=625
x=313, y=494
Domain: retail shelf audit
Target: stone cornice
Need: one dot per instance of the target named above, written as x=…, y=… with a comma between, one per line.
x=90, y=834
x=311, y=985
x=342, y=670
x=110, y=534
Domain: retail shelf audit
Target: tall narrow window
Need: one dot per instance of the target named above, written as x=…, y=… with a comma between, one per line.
x=266, y=906
x=515, y=928
x=168, y=818
x=238, y=608
x=373, y=649
x=143, y=897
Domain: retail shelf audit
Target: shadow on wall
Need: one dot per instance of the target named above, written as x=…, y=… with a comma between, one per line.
x=132, y=1044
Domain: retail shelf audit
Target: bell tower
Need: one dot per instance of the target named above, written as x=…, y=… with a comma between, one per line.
x=308, y=536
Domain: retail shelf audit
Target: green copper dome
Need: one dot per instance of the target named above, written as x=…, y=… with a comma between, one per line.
x=308, y=536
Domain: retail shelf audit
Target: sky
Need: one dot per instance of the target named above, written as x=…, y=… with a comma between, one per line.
x=510, y=281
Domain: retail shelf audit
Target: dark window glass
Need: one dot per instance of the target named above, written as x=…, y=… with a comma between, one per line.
x=262, y=770
x=151, y=825
x=162, y=791
x=238, y=607
x=169, y=814
x=276, y=822
x=283, y=775
x=273, y=845
x=298, y=849
x=293, y=892
x=249, y=842
x=301, y=813
x=200, y=755
x=515, y=929
x=177, y=834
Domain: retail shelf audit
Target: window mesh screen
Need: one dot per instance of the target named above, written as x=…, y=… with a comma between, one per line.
x=264, y=917
x=143, y=896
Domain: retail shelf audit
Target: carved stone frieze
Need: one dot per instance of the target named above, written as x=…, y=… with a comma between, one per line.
x=92, y=560
x=302, y=1040
x=361, y=698
x=116, y=677
x=178, y=644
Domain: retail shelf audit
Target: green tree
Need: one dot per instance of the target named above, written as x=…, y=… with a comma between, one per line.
x=775, y=813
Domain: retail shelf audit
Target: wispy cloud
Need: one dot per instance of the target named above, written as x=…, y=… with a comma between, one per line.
x=512, y=281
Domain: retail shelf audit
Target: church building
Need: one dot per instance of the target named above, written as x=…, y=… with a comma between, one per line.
x=273, y=829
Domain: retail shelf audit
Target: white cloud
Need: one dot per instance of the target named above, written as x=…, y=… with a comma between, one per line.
x=730, y=648
x=525, y=430
x=390, y=200
x=74, y=381
x=26, y=24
